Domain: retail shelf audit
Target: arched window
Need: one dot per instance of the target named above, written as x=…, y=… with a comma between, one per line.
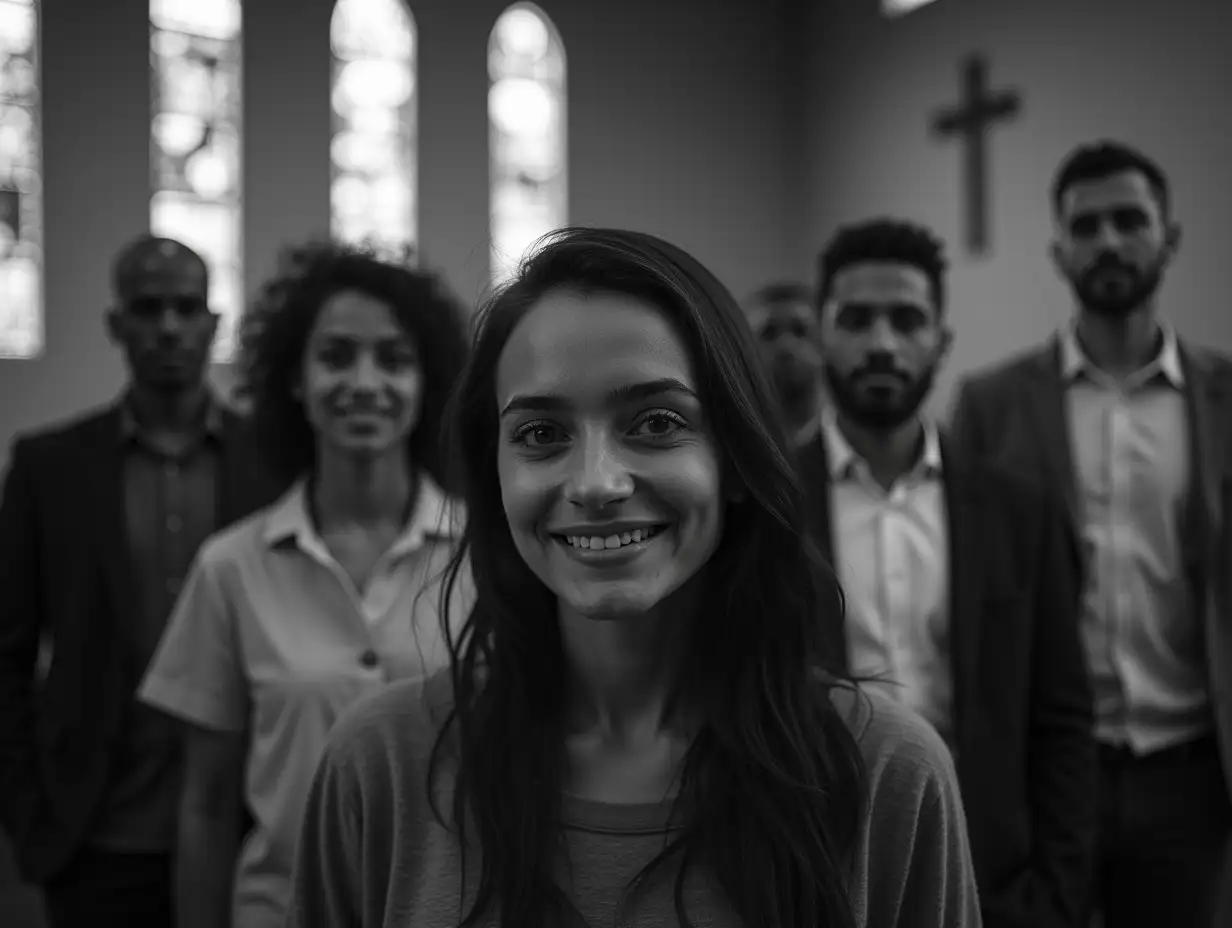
x=21, y=189
x=195, y=144
x=373, y=152
x=526, y=118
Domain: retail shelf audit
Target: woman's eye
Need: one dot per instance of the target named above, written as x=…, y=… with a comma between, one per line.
x=536, y=434
x=660, y=425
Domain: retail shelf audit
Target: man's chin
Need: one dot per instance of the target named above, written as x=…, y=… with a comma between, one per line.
x=1110, y=309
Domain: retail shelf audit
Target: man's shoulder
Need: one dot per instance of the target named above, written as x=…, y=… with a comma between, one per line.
x=999, y=485
x=67, y=435
x=1210, y=361
x=1008, y=372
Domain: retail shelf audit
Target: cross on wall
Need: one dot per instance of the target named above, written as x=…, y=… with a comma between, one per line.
x=971, y=120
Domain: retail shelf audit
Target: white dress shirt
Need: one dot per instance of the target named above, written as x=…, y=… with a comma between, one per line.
x=891, y=554
x=1130, y=441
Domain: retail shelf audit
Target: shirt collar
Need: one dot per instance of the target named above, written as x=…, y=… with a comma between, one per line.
x=1075, y=363
x=843, y=458
x=212, y=422
x=435, y=516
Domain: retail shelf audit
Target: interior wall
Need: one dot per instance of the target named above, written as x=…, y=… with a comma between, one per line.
x=1149, y=73
x=675, y=129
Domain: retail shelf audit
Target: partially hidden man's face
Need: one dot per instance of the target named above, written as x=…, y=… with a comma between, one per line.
x=882, y=341
x=787, y=336
x=609, y=471
x=1113, y=242
x=162, y=320
x=361, y=381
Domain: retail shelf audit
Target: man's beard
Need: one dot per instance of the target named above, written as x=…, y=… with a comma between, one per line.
x=874, y=411
x=1140, y=286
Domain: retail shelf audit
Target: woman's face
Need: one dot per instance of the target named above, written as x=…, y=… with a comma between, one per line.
x=609, y=472
x=362, y=384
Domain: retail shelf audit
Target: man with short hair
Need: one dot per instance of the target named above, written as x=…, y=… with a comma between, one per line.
x=1130, y=425
x=960, y=580
x=100, y=519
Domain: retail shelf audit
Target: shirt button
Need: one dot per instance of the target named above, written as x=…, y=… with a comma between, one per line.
x=369, y=659
x=174, y=523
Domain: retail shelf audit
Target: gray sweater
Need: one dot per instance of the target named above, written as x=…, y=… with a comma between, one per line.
x=372, y=854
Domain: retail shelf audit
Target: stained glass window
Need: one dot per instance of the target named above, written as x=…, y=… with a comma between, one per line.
x=373, y=156
x=21, y=192
x=195, y=143
x=895, y=8
x=526, y=117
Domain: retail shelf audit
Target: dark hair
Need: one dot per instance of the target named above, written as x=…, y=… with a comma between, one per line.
x=275, y=330
x=1098, y=160
x=884, y=239
x=773, y=783
x=774, y=294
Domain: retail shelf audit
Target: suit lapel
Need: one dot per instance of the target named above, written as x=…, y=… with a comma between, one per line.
x=1047, y=401
x=966, y=593
x=1207, y=401
x=106, y=477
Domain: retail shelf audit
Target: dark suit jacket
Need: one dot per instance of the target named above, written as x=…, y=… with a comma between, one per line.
x=65, y=576
x=1023, y=716
x=1015, y=415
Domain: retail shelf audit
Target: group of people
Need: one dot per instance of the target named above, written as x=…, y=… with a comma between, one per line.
x=637, y=605
x=1046, y=580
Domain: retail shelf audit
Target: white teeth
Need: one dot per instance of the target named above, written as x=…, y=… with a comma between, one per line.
x=611, y=541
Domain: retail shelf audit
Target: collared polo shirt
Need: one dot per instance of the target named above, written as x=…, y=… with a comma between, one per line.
x=270, y=638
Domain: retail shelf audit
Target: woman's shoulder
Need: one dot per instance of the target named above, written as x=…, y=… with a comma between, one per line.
x=903, y=754
x=914, y=866
x=391, y=733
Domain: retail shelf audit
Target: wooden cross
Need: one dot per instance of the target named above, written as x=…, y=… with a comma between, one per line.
x=971, y=119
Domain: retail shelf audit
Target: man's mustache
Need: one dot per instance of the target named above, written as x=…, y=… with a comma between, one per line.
x=879, y=370
x=1109, y=263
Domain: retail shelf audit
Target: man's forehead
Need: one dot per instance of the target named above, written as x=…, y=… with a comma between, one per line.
x=879, y=281
x=1116, y=191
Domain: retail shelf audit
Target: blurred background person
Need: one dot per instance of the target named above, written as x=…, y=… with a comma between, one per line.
x=329, y=593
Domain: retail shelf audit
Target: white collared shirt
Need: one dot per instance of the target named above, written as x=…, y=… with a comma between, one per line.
x=1130, y=441
x=891, y=554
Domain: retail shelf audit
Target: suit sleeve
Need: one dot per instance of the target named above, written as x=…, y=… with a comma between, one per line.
x=21, y=624
x=1062, y=753
x=965, y=428
x=326, y=883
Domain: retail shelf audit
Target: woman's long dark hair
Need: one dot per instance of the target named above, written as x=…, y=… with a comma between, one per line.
x=772, y=787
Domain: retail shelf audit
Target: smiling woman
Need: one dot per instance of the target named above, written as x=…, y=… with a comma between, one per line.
x=637, y=726
x=290, y=616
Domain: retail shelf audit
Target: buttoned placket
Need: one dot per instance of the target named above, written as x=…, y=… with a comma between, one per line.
x=373, y=603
